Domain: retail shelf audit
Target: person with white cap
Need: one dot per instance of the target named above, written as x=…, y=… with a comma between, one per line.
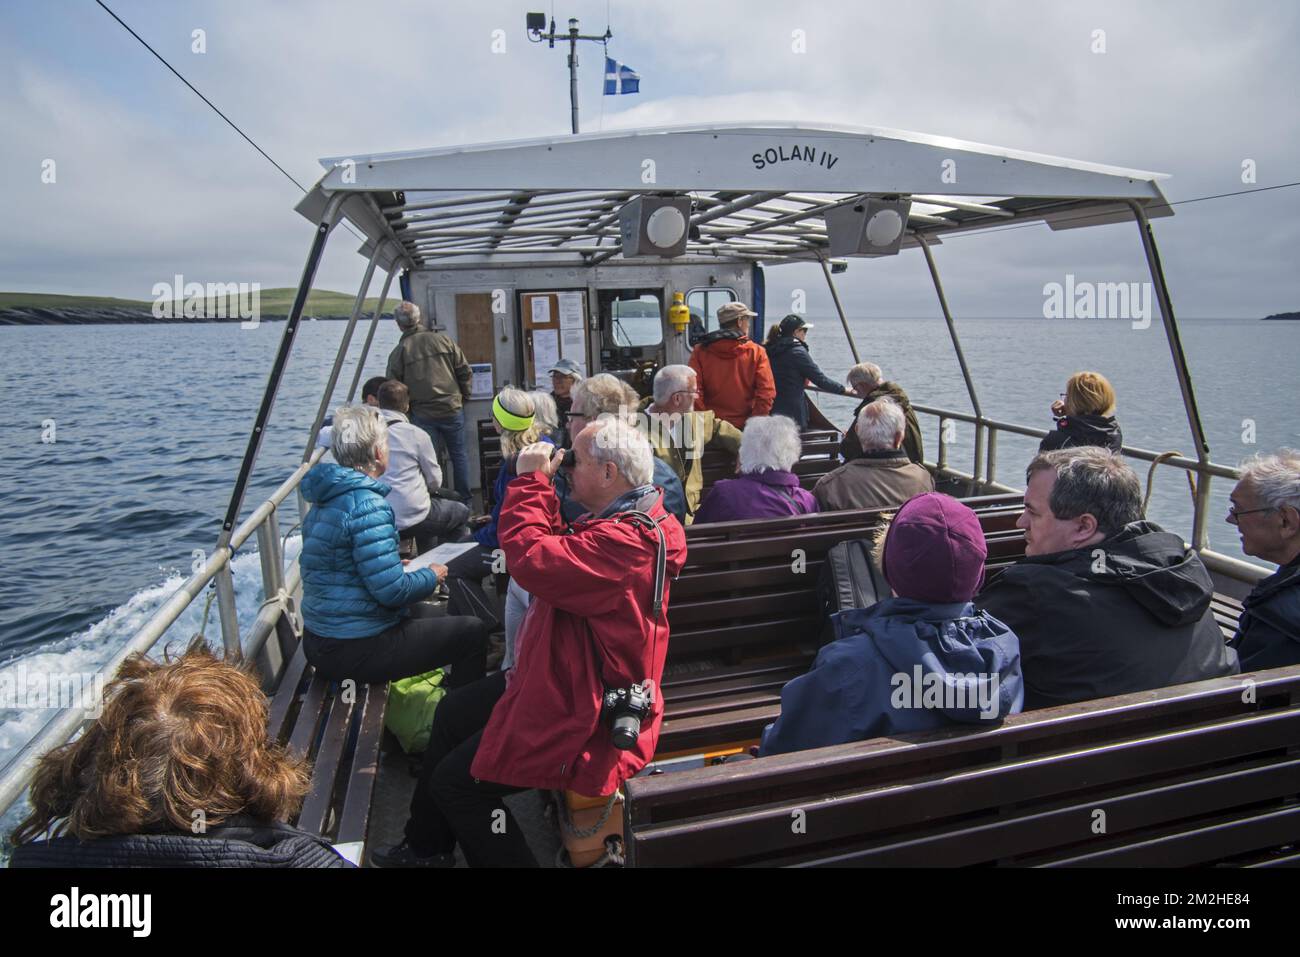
x=735, y=378
x=793, y=368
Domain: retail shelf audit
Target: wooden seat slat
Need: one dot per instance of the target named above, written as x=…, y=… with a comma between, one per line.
x=285, y=695
x=372, y=704
x=314, y=816
x=307, y=726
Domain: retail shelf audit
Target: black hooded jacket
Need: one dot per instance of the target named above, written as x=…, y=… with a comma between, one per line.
x=235, y=844
x=1128, y=614
x=792, y=366
x=1076, y=430
x=1269, y=633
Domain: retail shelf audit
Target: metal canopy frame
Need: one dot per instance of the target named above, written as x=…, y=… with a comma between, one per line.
x=760, y=192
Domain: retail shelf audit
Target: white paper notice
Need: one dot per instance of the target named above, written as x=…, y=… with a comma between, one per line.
x=546, y=351
x=541, y=310
x=571, y=310
x=573, y=331
x=480, y=386
x=442, y=555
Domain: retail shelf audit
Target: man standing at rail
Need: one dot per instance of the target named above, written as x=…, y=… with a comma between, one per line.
x=438, y=376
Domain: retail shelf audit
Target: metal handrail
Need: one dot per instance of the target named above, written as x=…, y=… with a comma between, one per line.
x=18, y=772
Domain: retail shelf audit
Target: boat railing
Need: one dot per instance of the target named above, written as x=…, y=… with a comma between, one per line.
x=983, y=477
x=278, y=588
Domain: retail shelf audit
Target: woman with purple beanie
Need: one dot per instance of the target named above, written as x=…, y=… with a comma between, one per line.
x=925, y=658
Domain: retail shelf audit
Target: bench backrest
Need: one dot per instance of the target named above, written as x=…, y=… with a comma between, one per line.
x=1193, y=774
x=753, y=583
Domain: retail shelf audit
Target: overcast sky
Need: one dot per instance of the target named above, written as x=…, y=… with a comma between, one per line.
x=150, y=183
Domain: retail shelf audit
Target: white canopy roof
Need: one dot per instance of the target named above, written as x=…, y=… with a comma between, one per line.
x=759, y=191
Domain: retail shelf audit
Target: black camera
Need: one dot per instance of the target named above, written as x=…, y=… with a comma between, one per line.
x=626, y=708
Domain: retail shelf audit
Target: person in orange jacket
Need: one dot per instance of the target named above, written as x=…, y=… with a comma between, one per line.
x=735, y=378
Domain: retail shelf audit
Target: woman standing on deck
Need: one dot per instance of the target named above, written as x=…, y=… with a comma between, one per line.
x=1085, y=415
x=355, y=589
x=793, y=367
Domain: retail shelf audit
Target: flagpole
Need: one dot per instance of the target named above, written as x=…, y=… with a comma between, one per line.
x=536, y=24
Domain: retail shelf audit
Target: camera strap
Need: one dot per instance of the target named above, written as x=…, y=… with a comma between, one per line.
x=645, y=520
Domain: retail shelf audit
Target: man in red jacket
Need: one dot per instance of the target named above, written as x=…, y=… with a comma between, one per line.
x=592, y=626
x=734, y=375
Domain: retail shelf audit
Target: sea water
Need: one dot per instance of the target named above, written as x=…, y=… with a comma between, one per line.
x=122, y=444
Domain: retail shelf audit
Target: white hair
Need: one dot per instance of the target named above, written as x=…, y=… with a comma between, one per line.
x=616, y=441
x=602, y=393
x=670, y=380
x=357, y=435
x=546, y=412
x=770, y=442
x=879, y=423
x=866, y=373
x=407, y=314
x=1275, y=478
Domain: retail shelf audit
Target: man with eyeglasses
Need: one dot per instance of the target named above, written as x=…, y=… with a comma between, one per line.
x=1266, y=510
x=679, y=435
x=1104, y=602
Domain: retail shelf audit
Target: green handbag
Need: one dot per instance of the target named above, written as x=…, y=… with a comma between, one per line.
x=411, y=703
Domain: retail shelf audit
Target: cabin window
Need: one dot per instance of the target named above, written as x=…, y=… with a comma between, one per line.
x=634, y=317
x=704, y=305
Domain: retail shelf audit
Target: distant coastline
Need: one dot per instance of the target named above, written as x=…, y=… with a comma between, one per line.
x=42, y=309
x=1284, y=315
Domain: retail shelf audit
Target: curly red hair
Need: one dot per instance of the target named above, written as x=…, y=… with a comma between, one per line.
x=179, y=740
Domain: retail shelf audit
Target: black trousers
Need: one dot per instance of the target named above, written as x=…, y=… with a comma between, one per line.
x=465, y=574
x=449, y=806
x=411, y=647
x=447, y=521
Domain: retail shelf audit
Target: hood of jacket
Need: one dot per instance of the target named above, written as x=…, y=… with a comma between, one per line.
x=328, y=480
x=1099, y=430
x=783, y=345
x=952, y=650
x=774, y=477
x=237, y=844
x=890, y=390
x=724, y=342
x=1153, y=566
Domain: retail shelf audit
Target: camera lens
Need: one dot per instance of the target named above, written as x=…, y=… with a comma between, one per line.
x=626, y=729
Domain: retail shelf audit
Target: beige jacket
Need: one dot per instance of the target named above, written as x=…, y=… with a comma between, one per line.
x=682, y=446
x=877, y=480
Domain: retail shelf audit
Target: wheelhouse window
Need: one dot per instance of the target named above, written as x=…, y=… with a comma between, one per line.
x=704, y=304
x=634, y=317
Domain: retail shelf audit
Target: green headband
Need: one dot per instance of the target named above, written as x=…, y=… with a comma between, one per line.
x=508, y=420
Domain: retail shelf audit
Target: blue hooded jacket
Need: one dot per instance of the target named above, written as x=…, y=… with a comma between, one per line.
x=900, y=666
x=353, y=583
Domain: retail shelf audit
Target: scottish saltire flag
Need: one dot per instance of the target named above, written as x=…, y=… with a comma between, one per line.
x=620, y=78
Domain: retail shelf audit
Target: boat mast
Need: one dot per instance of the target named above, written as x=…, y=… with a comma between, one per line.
x=536, y=23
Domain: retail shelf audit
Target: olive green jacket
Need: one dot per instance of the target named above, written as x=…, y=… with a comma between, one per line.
x=681, y=444
x=436, y=371
x=851, y=448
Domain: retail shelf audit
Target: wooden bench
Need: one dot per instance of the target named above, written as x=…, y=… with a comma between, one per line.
x=740, y=598
x=745, y=617
x=338, y=727
x=1204, y=773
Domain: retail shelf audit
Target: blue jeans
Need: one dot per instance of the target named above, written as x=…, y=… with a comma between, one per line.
x=451, y=432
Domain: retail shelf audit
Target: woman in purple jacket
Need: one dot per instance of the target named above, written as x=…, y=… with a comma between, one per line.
x=765, y=486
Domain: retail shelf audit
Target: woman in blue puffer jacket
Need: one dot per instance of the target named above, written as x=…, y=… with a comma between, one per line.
x=355, y=588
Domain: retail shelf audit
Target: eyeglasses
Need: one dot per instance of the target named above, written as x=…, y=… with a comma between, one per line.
x=690, y=392
x=1234, y=513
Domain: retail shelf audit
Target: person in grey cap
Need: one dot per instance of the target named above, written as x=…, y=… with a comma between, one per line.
x=438, y=375
x=565, y=374
x=733, y=373
x=793, y=367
